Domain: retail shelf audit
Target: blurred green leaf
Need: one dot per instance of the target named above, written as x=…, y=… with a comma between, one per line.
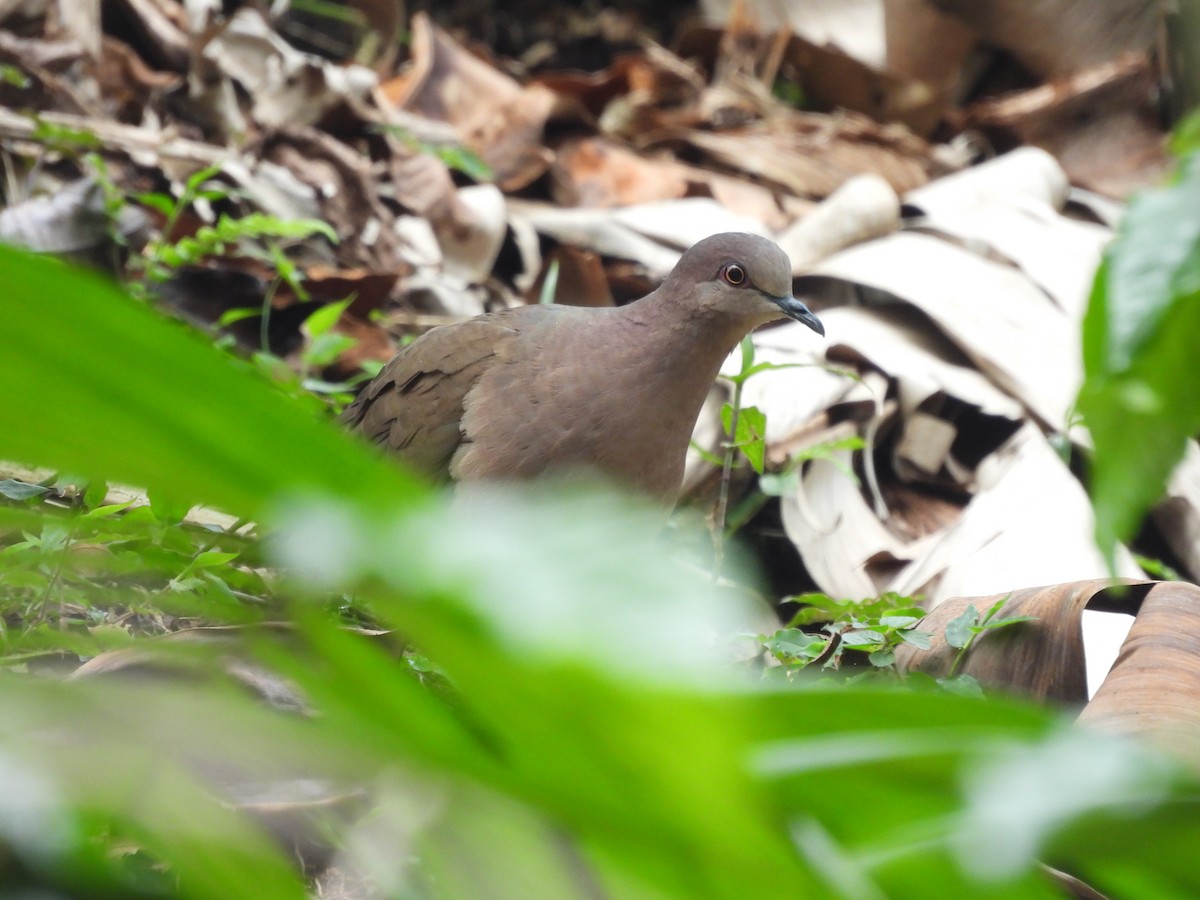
x=1141, y=398
x=586, y=733
x=170, y=396
x=20, y=490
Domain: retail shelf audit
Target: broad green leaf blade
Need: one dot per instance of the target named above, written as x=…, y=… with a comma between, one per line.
x=1141, y=394
x=98, y=383
x=961, y=629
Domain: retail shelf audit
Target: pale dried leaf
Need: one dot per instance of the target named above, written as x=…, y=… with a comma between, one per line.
x=653, y=234
x=1030, y=522
x=1026, y=173
x=864, y=207
x=855, y=26
x=845, y=548
x=70, y=221
x=286, y=87
x=1008, y=327
x=922, y=361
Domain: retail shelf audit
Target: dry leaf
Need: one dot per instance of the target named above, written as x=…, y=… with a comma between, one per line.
x=494, y=116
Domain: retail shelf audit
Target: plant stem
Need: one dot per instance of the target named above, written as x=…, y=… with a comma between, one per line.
x=718, y=526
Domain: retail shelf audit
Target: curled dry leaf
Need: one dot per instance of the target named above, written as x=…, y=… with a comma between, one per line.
x=494, y=116
x=579, y=280
x=350, y=201
x=596, y=172
x=161, y=31
x=285, y=86
x=655, y=79
x=1057, y=37
x=1153, y=690
x=854, y=26
x=1042, y=659
x=824, y=76
x=72, y=222
x=126, y=83
x=1101, y=123
x=864, y=207
x=911, y=29
x=812, y=155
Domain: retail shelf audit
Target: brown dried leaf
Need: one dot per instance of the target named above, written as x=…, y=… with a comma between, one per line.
x=126, y=83
x=494, y=116
x=1102, y=124
x=370, y=290
x=811, y=155
x=1056, y=37
x=594, y=172
x=1153, y=690
x=911, y=28
x=828, y=78
x=343, y=179
x=581, y=279
x=1043, y=659
x=655, y=77
x=162, y=32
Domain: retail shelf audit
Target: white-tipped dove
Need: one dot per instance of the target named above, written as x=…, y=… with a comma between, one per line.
x=535, y=389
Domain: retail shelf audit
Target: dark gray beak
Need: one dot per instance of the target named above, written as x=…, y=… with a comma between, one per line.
x=794, y=309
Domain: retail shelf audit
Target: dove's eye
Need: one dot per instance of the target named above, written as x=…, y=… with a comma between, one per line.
x=734, y=274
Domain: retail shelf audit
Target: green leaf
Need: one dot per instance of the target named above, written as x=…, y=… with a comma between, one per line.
x=882, y=658
x=1006, y=621
x=14, y=77
x=95, y=493
x=919, y=639
x=962, y=686
x=782, y=484
x=322, y=320
x=186, y=410
x=211, y=558
x=961, y=629
x=230, y=316
x=793, y=644
x=20, y=490
x=860, y=639
x=1139, y=354
x=751, y=428
x=108, y=510
x=326, y=348
x=711, y=458
x=549, y=285
x=158, y=202
x=751, y=436
x=166, y=508
x=196, y=180
x=1185, y=139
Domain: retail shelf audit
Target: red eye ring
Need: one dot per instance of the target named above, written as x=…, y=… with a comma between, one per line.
x=734, y=275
